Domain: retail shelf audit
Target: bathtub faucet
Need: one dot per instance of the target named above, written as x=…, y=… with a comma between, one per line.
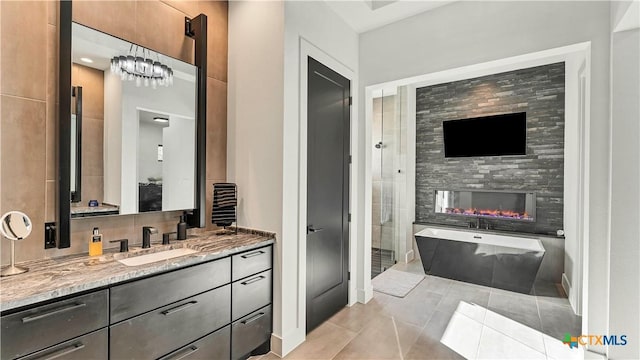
x=475, y=224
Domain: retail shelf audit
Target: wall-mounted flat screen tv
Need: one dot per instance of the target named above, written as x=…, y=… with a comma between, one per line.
x=494, y=135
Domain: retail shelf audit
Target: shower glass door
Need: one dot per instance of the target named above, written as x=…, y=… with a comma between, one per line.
x=385, y=136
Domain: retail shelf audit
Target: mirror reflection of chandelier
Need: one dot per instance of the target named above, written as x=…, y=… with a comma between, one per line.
x=142, y=69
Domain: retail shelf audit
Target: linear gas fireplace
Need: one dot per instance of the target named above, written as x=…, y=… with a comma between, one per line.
x=507, y=205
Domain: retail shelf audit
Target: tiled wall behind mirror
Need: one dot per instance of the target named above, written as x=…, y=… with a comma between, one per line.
x=28, y=106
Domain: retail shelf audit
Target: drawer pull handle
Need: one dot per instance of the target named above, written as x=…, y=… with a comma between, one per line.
x=252, y=280
x=55, y=311
x=252, y=254
x=62, y=352
x=252, y=319
x=183, y=353
x=179, y=308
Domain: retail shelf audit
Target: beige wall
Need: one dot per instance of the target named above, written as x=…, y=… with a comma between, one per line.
x=28, y=96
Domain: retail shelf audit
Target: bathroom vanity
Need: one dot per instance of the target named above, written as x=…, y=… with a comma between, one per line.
x=215, y=303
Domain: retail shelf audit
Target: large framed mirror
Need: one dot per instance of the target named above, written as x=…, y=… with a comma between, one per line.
x=131, y=126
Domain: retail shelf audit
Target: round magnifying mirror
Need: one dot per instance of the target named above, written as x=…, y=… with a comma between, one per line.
x=14, y=225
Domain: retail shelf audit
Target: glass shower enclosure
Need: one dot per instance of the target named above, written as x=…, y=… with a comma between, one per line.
x=386, y=179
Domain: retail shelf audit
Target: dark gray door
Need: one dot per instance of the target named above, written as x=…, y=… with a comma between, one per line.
x=327, y=193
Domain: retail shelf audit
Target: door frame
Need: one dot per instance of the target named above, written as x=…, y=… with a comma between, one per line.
x=307, y=49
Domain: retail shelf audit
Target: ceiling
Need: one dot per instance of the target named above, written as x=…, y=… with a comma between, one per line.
x=100, y=48
x=365, y=15
x=147, y=117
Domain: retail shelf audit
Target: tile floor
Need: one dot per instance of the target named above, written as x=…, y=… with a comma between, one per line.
x=446, y=319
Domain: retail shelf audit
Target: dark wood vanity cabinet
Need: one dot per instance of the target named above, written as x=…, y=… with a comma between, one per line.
x=216, y=310
x=164, y=330
x=43, y=326
x=251, y=294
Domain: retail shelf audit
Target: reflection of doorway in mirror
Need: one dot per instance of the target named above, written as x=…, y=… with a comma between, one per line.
x=149, y=166
x=178, y=163
x=165, y=161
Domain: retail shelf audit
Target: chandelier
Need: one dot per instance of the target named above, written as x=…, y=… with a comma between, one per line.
x=142, y=69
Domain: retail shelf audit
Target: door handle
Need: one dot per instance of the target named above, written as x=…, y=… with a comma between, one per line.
x=179, y=308
x=311, y=229
x=55, y=311
x=255, y=253
x=182, y=353
x=252, y=319
x=252, y=280
x=62, y=352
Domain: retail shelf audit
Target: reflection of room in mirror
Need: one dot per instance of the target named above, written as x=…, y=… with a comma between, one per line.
x=92, y=167
x=120, y=152
x=165, y=174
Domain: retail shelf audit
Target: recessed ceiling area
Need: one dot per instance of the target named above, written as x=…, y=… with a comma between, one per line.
x=365, y=15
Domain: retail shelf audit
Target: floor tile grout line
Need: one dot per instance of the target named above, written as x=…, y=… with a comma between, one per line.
x=479, y=340
x=502, y=333
x=345, y=345
x=544, y=344
x=512, y=338
x=395, y=330
x=355, y=336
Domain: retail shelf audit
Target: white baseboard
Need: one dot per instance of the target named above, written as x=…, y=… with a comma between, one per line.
x=364, y=295
x=276, y=344
x=282, y=346
x=566, y=286
x=409, y=256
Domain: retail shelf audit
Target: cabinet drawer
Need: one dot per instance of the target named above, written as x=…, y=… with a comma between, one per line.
x=251, y=262
x=250, y=294
x=163, y=330
x=140, y=296
x=43, y=326
x=250, y=332
x=212, y=346
x=94, y=346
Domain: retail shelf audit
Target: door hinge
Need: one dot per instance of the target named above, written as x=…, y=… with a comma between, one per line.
x=350, y=159
x=349, y=217
x=349, y=275
x=350, y=100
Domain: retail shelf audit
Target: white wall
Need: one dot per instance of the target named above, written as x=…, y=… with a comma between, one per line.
x=311, y=27
x=178, y=164
x=624, y=288
x=112, y=138
x=263, y=137
x=255, y=126
x=465, y=33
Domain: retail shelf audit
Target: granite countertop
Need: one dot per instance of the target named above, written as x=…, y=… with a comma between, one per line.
x=51, y=278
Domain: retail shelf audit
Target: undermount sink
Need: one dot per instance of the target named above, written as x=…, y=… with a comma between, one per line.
x=157, y=256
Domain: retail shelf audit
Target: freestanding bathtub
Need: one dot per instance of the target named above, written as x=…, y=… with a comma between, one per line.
x=501, y=261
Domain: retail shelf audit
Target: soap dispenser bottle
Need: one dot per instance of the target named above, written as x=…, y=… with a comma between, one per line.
x=182, y=228
x=95, y=243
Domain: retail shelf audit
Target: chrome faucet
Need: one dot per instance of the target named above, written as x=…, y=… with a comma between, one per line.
x=146, y=236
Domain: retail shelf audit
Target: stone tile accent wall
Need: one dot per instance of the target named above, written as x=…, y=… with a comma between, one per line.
x=539, y=91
